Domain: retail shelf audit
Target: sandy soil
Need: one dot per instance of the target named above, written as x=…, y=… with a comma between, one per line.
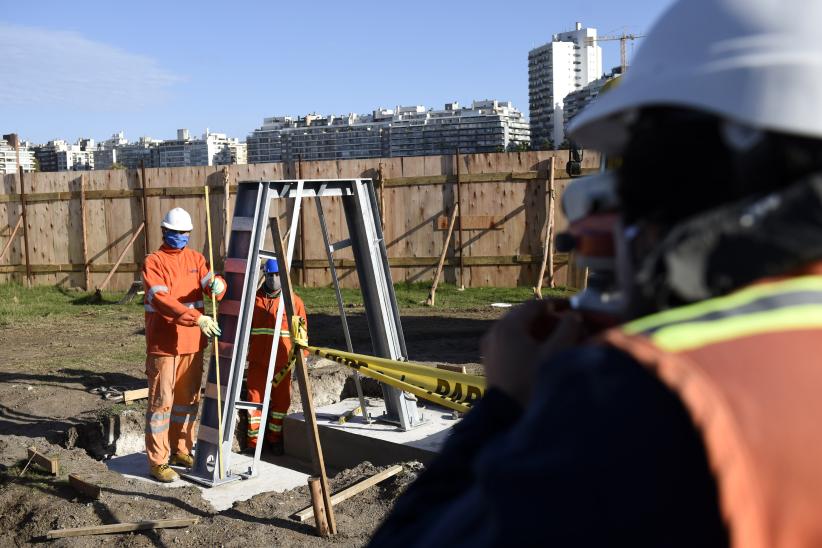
x=48, y=377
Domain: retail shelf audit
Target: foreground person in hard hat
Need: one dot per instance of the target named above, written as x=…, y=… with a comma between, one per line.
x=176, y=279
x=697, y=423
x=259, y=352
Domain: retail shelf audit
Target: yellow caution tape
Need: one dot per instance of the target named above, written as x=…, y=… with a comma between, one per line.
x=453, y=390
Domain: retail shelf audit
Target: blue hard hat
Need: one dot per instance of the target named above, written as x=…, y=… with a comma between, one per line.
x=271, y=266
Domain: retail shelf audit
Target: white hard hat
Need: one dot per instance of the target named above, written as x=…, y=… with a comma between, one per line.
x=754, y=62
x=177, y=219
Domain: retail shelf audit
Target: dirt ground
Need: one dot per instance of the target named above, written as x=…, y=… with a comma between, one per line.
x=49, y=374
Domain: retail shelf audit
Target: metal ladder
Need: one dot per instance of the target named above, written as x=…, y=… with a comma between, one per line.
x=245, y=251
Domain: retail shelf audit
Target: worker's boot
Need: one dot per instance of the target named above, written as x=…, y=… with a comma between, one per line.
x=181, y=459
x=162, y=473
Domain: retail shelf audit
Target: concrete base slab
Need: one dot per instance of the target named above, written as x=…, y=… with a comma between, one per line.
x=347, y=445
x=271, y=477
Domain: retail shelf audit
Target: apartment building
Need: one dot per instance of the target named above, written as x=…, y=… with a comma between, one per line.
x=333, y=137
x=264, y=145
x=485, y=126
x=211, y=149
x=568, y=63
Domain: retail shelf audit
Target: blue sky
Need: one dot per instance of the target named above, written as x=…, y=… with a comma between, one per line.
x=149, y=67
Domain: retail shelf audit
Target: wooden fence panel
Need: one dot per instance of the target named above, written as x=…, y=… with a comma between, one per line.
x=509, y=188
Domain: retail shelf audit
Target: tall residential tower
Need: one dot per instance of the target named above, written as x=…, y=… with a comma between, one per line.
x=566, y=64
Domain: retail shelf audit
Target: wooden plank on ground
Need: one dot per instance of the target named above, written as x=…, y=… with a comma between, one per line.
x=84, y=485
x=121, y=527
x=133, y=395
x=451, y=367
x=49, y=464
x=347, y=493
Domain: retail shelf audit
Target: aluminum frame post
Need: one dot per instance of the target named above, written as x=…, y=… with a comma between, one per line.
x=329, y=251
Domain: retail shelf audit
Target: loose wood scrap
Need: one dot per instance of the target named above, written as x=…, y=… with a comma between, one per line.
x=121, y=527
x=85, y=486
x=49, y=464
x=347, y=493
x=318, y=460
x=132, y=395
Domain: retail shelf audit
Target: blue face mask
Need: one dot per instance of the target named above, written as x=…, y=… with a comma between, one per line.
x=175, y=240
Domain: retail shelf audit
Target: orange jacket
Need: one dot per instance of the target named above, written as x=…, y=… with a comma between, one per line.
x=262, y=328
x=746, y=367
x=175, y=281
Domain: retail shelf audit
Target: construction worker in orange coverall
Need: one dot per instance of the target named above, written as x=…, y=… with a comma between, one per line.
x=259, y=352
x=176, y=279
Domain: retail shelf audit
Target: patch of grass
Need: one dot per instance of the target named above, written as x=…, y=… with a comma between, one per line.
x=20, y=305
x=413, y=295
x=34, y=476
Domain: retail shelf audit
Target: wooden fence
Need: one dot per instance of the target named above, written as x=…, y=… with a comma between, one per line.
x=504, y=205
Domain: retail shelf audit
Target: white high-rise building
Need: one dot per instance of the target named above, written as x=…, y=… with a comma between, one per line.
x=566, y=64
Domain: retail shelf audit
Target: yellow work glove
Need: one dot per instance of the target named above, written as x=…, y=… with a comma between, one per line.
x=208, y=326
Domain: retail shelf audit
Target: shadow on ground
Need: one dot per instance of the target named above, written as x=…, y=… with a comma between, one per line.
x=427, y=338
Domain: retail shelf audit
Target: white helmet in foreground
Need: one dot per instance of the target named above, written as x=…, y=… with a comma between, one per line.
x=177, y=219
x=754, y=62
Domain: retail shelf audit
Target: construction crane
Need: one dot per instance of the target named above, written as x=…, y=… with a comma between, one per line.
x=623, y=55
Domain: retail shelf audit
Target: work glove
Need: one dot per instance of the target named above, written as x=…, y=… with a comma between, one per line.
x=208, y=326
x=217, y=286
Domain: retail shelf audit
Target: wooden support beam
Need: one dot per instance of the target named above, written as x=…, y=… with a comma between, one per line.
x=49, y=464
x=305, y=388
x=471, y=222
x=121, y=527
x=84, y=230
x=29, y=277
x=458, y=206
x=226, y=213
x=17, y=226
x=381, y=186
x=84, y=485
x=432, y=295
x=120, y=258
x=318, y=506
x=144, y=202
x=548, y=246
x=66, y=267
x=560, y=260
x=349, y=492
x=194, y=191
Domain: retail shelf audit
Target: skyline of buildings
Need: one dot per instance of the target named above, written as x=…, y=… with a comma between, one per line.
x=564, y=75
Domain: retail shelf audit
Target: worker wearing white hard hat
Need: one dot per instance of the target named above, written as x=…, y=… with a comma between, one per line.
x=695, y=422
x=176, y=278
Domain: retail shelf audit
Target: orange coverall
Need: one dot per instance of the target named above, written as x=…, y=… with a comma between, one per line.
x=175, y=282
x=259, y=351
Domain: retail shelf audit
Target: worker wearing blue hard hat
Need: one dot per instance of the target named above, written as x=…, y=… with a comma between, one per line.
x=263, y=326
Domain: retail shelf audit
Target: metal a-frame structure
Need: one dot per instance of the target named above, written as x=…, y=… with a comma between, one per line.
x=245, y=251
